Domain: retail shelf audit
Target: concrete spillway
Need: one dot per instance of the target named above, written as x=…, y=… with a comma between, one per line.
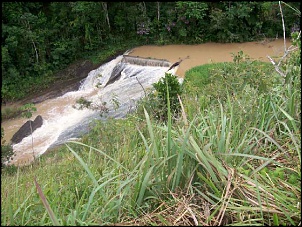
x=145, y=61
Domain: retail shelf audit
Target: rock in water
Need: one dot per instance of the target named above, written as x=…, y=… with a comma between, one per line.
x=25, y=130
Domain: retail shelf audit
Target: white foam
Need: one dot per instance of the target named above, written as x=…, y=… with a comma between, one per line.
x=127, y=90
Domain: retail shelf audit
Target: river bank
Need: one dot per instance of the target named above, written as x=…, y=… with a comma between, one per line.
x=197, y=55
x=69, y=78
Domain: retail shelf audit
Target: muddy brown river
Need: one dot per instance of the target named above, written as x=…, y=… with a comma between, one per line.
x=211, y=52
x=196, y=55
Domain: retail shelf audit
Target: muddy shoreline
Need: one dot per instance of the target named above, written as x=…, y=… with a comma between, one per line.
x=69, y=79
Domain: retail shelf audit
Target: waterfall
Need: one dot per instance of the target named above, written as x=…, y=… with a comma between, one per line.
x=117, y=83
x=100, y=75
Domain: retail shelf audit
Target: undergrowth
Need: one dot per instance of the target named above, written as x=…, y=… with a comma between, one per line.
x=230, y=157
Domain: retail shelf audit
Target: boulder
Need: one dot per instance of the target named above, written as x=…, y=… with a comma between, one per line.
x=25, y=129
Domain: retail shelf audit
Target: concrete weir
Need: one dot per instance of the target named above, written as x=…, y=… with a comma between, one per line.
x=145, y=61
x=119, y=68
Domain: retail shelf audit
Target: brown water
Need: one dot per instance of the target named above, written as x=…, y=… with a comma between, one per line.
x=211, y=52
x=198, y=55
x=48, y=109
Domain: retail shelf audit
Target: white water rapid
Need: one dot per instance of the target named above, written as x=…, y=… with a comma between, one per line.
x=62, y=122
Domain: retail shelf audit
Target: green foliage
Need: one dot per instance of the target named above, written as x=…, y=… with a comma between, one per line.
x=235, y=78
x=101, y=108
x=82, y=103
x=115, y=102
x=239, y=154
x=10, y=112
x=234, y=22
x=196, y=10
x=6, y=154
x=292, y=66
x=191, y=21
x=28, y=109
x=127, y=169
x=41, y=38
x=156, y=101
x=6, y=150
x=239, y=57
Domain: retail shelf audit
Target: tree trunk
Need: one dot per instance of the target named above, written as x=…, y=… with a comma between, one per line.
x=144, y=9
x=104, y=5
x=37, y=56
x=158, y=11
x=27, y=25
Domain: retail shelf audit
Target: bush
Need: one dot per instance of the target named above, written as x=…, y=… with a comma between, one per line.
x=6, y=150
x=156, y=102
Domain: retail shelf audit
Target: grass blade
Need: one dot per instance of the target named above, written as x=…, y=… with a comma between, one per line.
x=93, y=194
x=19, y=208
x=275, y=219
x=84, y=166
x=150, y=129
x=144, y=186
x=103, y=153
x=46, y=204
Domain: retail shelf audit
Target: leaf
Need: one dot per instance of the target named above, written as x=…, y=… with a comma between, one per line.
x=46, y=205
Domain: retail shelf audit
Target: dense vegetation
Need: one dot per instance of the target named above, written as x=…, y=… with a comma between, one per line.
x=226, y=152
x=232, y=156
x=40, y=38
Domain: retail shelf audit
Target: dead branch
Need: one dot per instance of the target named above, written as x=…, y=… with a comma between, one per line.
x=276, y=66
x=286, y=51
x=141, y=86
x=283, y=26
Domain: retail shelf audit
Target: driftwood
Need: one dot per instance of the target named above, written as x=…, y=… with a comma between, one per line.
x=177, y=63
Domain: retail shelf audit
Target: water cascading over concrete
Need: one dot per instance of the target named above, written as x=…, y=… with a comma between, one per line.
x=118, y=84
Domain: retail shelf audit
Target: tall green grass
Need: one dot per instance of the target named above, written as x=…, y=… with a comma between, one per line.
x=231, y=158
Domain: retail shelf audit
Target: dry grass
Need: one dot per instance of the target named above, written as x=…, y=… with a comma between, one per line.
x=183, y=209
